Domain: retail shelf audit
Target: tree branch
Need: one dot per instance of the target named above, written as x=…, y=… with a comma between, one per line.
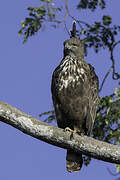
x=58, y=137
x=104, y=79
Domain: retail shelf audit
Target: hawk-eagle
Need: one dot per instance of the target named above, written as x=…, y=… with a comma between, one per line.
x=74, y=93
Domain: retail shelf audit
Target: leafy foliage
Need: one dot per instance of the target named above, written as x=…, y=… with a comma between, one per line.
x=101, y=34
x=91, y=4
x=33, y=23
x=107, y=124
x=37, y=17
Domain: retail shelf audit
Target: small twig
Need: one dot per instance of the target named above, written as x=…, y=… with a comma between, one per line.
x=112, y=173
x=78, y=21
x=46, y=113
x=66, y=28
x=115, y=75
x=113, y=65
x=110, y=69
x=67, y=12
x=118, y=42
x=62, y=20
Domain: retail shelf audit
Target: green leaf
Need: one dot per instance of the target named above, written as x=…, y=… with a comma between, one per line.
x=107, y=20
x=117, y=168
x=91, y=4
x=116, y=91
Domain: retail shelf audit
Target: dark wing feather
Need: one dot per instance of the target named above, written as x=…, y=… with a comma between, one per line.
x=93, y=99
x=60, y=115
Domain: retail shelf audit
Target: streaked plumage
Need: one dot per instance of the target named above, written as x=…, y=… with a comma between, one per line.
x=74, y=93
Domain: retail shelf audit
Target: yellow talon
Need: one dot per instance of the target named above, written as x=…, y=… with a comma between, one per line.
x=72, y=132
x=68, y=129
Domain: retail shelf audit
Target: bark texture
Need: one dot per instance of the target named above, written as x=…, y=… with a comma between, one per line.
x=58, y=137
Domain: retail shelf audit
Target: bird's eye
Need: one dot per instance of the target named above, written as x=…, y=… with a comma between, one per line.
x=74, y=45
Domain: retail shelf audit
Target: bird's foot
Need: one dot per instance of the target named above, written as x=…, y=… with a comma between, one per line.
x=68, y=129
x=72, y=132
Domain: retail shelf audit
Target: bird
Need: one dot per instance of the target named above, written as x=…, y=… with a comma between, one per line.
x=74, y=91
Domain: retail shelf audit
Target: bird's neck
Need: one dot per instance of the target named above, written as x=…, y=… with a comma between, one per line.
x=74, y=57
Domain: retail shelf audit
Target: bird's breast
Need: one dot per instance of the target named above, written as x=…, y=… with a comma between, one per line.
x=71, y=75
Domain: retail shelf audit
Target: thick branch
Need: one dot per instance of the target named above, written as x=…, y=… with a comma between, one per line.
x=58, y=137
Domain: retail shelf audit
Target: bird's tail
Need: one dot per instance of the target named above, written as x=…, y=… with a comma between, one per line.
x=74, y=161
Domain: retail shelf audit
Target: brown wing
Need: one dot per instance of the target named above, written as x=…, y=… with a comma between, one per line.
x=60, y=117
x=93, y=99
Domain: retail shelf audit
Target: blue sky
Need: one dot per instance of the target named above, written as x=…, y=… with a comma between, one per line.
x=25, y=77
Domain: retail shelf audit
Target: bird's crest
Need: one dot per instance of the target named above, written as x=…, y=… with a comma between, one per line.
x=74, y=31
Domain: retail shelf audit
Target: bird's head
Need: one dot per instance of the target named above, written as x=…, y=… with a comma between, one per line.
x=73, y=47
